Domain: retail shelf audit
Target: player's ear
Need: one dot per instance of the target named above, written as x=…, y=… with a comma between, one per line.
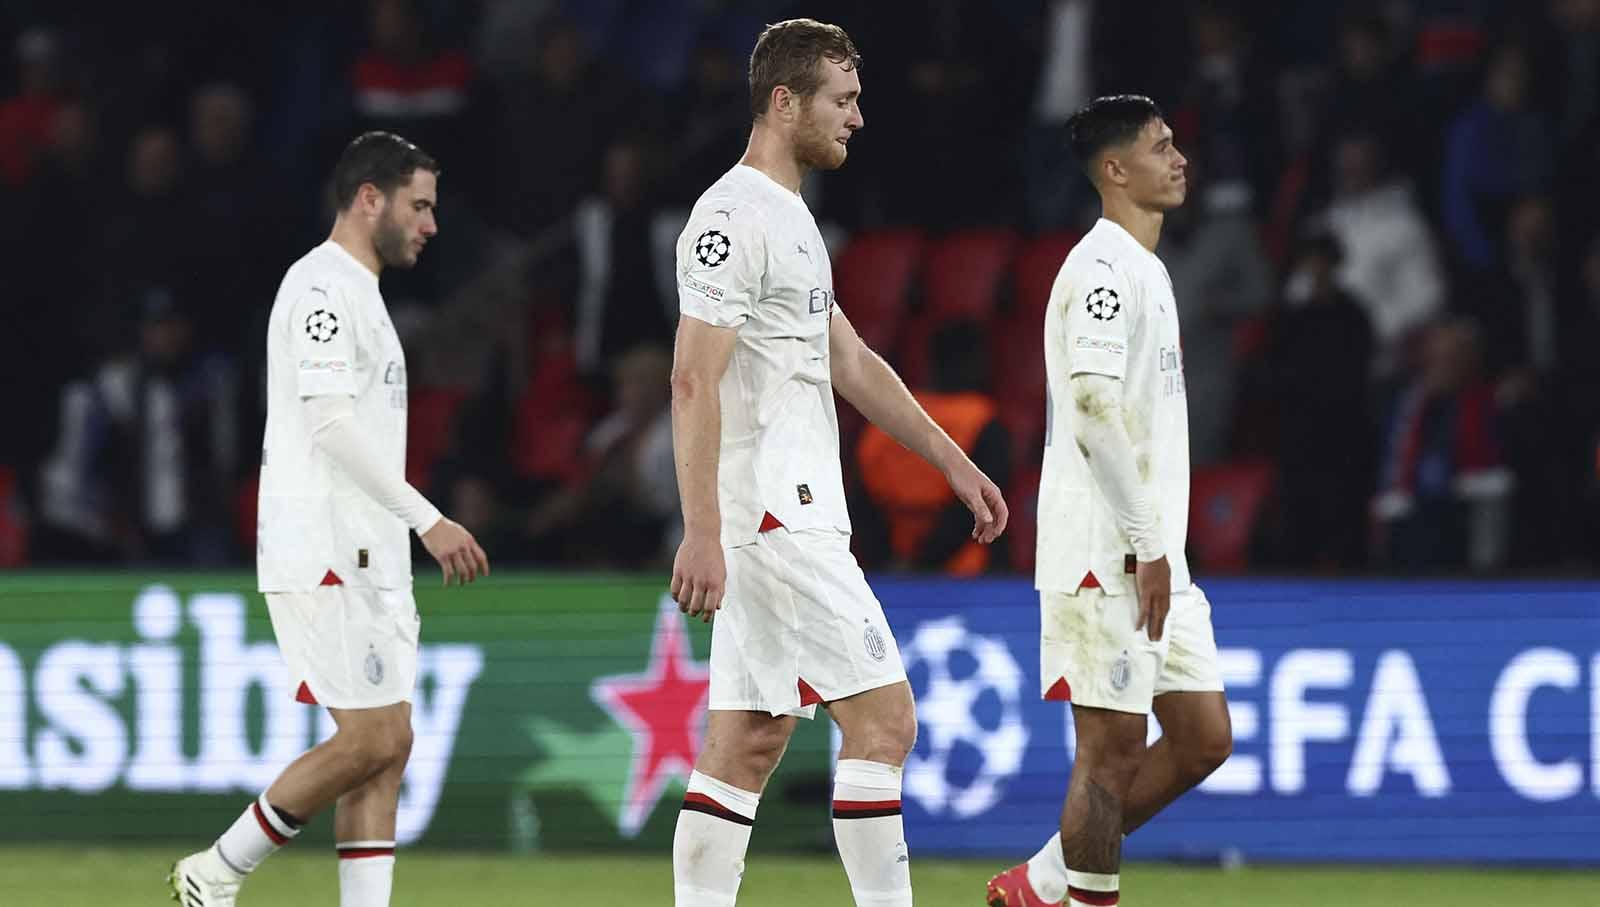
x=783, y=102
x=1112, y=172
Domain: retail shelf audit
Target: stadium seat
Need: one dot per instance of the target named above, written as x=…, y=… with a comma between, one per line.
x=430, y=420
x=13, y=529
x=1037, y=264
x=962, y=277
x=963, y=273
x=872, y=281
x=549, y=446
x=1225, y=504
x=245, y=507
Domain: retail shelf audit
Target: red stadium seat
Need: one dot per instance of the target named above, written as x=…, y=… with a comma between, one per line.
x=430, y=420
x=1225, y=504
x=1036, y=267
x=964, y=272
x=872, y=280
x=13, y=529
x=246, y=503
x=962, y=277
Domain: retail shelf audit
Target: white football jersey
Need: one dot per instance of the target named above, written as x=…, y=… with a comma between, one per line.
x=329, y=333
x=751, y=259
x=1112, y=313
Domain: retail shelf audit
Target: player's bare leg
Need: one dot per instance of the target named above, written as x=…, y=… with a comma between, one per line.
x=1111, y=749
x=1196, y=738
x=740, y=752
x=879, y=728
x=364, y=832
x=367, y=743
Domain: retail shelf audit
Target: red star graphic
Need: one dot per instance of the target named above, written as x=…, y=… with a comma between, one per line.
x=664, y=709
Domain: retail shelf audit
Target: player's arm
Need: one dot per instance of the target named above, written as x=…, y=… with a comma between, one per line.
x=869, y=384
x=721, y=260
x=1098, y=330
x=325, y=383
x=699, y=359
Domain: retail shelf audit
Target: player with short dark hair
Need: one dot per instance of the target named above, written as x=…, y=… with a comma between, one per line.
x=333, y=553
x=1123, y=627
x=761, y=348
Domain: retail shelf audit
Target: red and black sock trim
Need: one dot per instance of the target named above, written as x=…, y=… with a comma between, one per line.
x=363, y=851
x=273, y=834
x=700, y=803
x=1094, y=898
x=865, y=809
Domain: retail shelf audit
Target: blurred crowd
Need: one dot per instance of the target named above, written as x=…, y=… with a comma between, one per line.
x=1388, y=270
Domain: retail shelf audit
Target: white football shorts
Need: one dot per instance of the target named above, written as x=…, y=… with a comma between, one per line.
x=348, y=648
x=798, y=625
x=1091, y=655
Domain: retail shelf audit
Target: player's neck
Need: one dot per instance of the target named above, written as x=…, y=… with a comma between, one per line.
x=360, y=247
x=1143, y=224
x=770, y=154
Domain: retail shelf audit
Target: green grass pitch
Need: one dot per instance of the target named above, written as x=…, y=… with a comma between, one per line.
x=59, y=876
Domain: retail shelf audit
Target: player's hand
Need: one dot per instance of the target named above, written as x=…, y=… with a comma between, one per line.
x=982, y=497
x=456, y=551
x=699, y=576
x=1153, y=580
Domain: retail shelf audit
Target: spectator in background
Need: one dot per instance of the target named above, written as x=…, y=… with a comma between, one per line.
x=28, y=118
x=1575, y=397
x=147, y=455
x=709, y=120
x=1229, y=127
x=1389, y=262
x=1516, y=301
x=57, y=257
x=620, y=301
x=1055, y=194
x=1213, y=254
x=551, y=125
x=1498, y=149
x=928, y=528
x=1371, y=90
x=617, y=514
x=1444, y=483
x=405, y=83
x=146, y=234
x=1566, y=67
x=234, y=225
x=1319, y=359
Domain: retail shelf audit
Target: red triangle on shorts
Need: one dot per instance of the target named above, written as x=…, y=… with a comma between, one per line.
x=305, y=695
x=808, y=696
x=769, y=523
x=1060, y=691
x=1090, y=581
x=331, y=579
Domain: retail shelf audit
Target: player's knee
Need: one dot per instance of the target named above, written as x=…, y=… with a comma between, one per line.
x=889, y=740
x=1207, y=755
x=763, y=748
x=381, y=748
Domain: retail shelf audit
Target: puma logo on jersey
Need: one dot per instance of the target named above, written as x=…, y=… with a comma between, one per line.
x=725, y=212
x=1104, y=262
x=800, y=248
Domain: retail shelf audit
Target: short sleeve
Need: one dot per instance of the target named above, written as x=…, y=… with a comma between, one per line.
x=721, y=259
x=323, y=343
x=1100, y=314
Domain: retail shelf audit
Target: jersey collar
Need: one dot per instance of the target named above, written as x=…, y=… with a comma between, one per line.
x=344, y=255
x=1123, y=236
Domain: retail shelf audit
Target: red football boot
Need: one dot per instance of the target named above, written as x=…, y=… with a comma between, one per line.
x=1012, y=889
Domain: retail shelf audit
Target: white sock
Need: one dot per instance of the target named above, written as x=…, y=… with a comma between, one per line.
x=1047, y=871
x=710, y=842
x=366, y=873
x=870, y=834
x=255, y=835
x=1092, y=889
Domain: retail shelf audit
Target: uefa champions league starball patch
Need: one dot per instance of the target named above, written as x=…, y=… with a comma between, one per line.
x=712, y=248
x=1104, y=304
x=322, y=325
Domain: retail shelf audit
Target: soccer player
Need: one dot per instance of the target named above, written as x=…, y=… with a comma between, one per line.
x=761, y=347
x=334, y=554
x=1122, y=625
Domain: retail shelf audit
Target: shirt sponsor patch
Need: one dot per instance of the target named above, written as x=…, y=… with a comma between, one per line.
x=1101, y=345
x=324, y=365
x=704, y=289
